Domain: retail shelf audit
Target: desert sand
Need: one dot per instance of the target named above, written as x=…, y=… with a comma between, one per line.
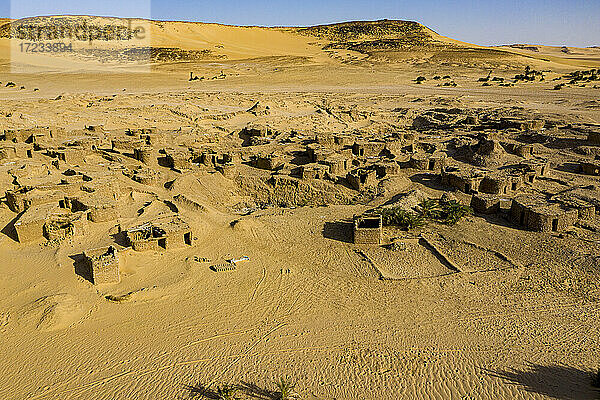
x=241, y=160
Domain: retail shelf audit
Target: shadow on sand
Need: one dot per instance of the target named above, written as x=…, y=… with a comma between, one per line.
x=82, y=267
x=9, y=230
x=257, y=392
x=200, y=391
x=338, y=230
x=430, y=180
x=556, y=381
x=120, y=238
x=571, y=167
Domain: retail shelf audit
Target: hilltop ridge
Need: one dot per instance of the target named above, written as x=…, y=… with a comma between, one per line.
x=354, y=42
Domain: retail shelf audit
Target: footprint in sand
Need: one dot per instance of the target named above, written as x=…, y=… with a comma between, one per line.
x=54, y=312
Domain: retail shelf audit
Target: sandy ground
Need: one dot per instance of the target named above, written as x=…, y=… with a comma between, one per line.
x=306, y=305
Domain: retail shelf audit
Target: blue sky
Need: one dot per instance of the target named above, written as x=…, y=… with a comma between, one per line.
x=488, y=22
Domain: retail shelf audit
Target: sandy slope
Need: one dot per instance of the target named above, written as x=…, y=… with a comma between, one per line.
x=574, y=56
x=224, y=42
x=237, y=42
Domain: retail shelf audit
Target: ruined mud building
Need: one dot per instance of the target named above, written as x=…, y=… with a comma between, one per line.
x=488, y=158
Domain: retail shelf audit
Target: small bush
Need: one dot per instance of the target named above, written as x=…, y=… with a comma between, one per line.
x=285, y=389
x=227, y=392
x=429, y=209
x=401, y=218
x=453, y=211
x=443, y=212
x=451, y=83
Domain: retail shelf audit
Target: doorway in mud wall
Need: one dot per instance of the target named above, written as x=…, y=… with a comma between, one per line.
x=522, y=218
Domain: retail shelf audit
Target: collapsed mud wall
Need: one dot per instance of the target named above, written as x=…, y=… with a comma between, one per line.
x=285, y=191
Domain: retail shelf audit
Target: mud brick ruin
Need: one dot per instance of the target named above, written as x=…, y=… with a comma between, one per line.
x=362, y=178
x=537, y=215
x=429, y=162
x=103, y=264
x=163, y=233
x=367, y=229
x=60, y=182
x=269, y=162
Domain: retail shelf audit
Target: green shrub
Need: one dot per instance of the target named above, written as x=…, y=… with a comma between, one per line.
x=429, y=209
x=285, y=389
x=443, y=212
x=403, y=219
x=453, y=211
x=227, y=392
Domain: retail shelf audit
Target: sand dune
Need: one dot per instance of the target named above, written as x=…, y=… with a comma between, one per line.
x=187, y=41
